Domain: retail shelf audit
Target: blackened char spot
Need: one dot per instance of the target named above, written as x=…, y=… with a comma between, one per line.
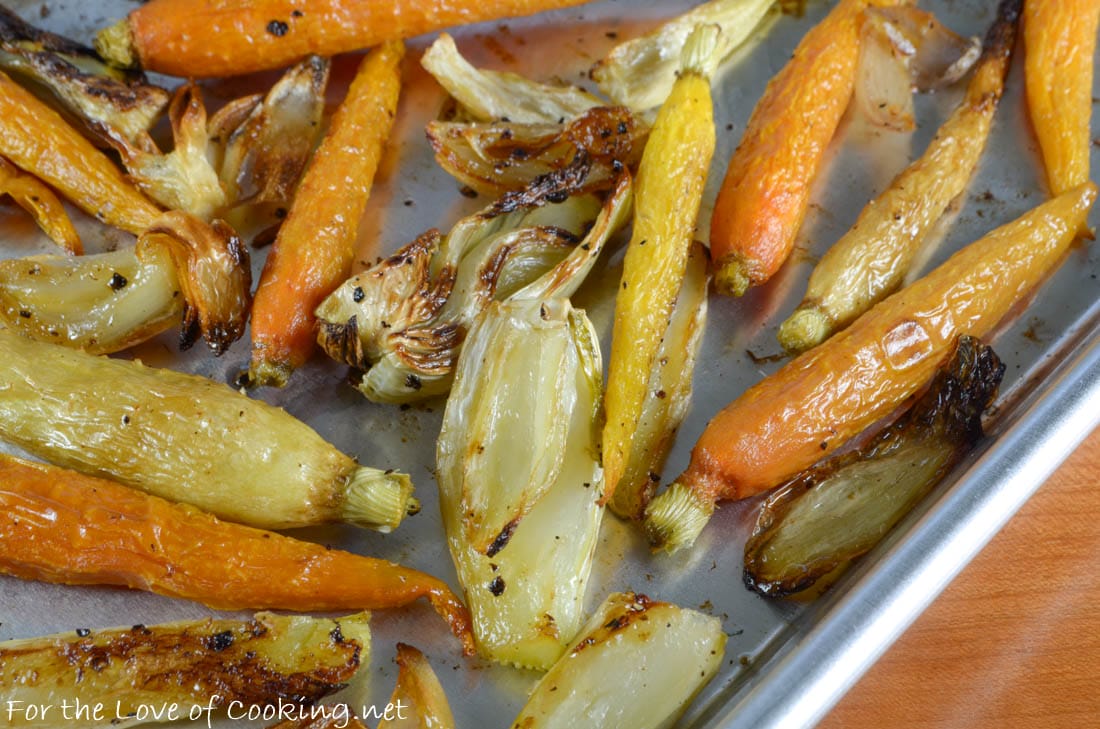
x=502, y=539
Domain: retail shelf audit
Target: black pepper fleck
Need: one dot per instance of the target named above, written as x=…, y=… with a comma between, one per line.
x=278, y=28
x=219, y=641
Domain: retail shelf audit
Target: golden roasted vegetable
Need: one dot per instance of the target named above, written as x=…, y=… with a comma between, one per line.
x=499, y=157
x=491, y=96
x=820, y=400
x=64, y=527
x=837, y=511
x=315, y=248
x=100, y=303
x=669, y=191
x=419, y=693
x=36, y=198
x=637, y=663
x=138, y=675
x=187, y=439
x=37, y=140
x=640, y=73
x=872, y=259
x=520, y=483
x=404, y=320
x=95, y=92
x=668, y=392
x=1059, y=43
x=267, y=151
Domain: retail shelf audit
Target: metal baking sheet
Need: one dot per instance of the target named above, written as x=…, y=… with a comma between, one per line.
x=786, y=663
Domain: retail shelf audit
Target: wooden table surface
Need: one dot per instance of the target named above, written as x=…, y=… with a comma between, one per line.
x=1014, y=641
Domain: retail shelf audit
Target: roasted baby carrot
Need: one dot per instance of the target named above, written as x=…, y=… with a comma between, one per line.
x=36, y=139
x=316, y=244
x=36, y=198
x=188, y=439
x=667, y=196
x=766, y=190
x=820, y=400
x=1059, y=43
x=63, y=527
x=204, y=38
x=870, y=261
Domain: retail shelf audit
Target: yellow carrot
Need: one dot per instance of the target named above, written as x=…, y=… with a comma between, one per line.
x=1059, y=43
x=668, y=193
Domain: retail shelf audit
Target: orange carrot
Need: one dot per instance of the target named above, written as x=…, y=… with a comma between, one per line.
x=204, y=38
x=36, y=198
x=764, y=196
x=826, y=396
x=36, y=139
x=60, y=526
x=1059, y=42
x=315, y=247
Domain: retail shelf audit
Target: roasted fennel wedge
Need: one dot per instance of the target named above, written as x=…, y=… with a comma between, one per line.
x=187, y=439
x=498, y=95
x=638, y=663
x=639, y=73
x=840, y=509
x=519, y=475
x=496, y=157
x=517, y=460
x=190, y=666
x=181, y=271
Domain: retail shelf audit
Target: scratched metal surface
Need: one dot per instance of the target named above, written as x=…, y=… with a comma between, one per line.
x=785, y=662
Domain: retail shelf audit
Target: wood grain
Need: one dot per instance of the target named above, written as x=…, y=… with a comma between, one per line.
x=1014, y=641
